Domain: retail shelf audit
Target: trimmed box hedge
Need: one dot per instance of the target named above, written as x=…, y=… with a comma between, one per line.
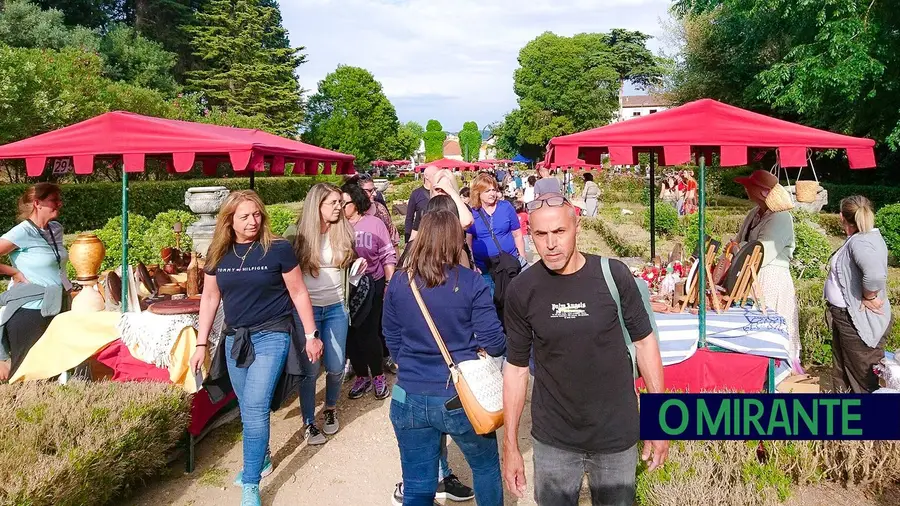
x=89, y=206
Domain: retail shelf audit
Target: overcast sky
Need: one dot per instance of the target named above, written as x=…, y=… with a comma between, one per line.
x=452, y=60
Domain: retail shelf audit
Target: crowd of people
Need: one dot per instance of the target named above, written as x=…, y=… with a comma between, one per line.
x=680, y=188
x=337, y=292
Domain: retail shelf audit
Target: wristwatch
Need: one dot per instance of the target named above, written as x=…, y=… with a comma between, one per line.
x=314, y=335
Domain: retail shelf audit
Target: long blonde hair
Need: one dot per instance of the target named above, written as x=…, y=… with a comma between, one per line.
x=308, y=242
x=223, y=237
x=859, y=212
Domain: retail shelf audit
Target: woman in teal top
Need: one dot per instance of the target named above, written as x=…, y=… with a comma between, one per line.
x=36, y=252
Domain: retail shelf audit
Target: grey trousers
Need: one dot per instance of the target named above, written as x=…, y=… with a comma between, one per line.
x=558, y=474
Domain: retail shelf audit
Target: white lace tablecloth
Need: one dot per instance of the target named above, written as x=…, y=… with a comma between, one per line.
x=150, y=336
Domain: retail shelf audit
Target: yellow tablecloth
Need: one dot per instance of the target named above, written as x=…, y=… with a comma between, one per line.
x=70, y=339
x=74, y=337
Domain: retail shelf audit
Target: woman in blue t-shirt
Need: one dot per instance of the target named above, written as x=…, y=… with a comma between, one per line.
x=37, y=257
x=492, y=213
x=257, y=278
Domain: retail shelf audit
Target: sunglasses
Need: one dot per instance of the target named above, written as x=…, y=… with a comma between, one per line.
x=534, y=205
x=365, y=177
x=370, y=191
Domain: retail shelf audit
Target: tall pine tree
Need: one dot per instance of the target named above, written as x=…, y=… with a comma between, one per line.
x=242, y=68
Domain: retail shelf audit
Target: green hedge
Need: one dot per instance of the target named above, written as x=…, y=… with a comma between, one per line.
x=88, y=206
x=879, y=195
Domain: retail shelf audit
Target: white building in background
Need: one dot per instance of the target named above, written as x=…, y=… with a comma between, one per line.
x=636, y=106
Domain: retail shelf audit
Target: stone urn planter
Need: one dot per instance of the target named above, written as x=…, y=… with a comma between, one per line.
x=86, y=255
x=204, y=201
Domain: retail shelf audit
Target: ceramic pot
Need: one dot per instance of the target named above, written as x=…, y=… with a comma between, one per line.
x=86, y=255
x=88, y=300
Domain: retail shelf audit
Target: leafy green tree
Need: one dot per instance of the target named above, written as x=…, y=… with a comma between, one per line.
x=239, y=71
x=831, y=64
x=434, y=140
x=23, y=24
x=137, y=60
x=470, y=141
x=88, y=13
x=350, y=113
x=569, y=84
x=408, y=138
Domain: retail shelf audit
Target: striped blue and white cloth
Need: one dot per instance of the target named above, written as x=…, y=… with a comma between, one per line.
x=739, y=329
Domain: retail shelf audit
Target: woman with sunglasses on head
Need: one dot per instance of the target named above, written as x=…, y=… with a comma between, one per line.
x=378, y=208
x=38, y=271
x=256, y=277
x=495, y=221
x=374, y=245
x=324, y=244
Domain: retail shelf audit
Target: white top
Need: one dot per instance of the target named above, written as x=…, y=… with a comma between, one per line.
x=833, y=293
x=326, y=289
x=528, y=196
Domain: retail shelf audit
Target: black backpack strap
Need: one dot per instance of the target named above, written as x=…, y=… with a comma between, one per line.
x=490, y=229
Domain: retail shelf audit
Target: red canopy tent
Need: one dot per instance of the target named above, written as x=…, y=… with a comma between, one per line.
x=134, y=137
x=702, y=128
x=448, y=163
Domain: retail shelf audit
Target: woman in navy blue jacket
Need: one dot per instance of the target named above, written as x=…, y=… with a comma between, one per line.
x=461, y=305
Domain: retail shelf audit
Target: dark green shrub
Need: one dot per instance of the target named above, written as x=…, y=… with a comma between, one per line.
x=721, y=180
x=666, y=219
x=831, y=223
x=89, y=205
x=401, y=191
x=139, y=248
x=887, y=219
x=879, y=195
x=812, y=252
x=85, y=443
x=690, y=229
x=280, y=218
x=160, y=234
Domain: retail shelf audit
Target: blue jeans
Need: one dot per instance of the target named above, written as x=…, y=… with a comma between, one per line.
x=254, y=387
x=419, y=421
x=332, y=322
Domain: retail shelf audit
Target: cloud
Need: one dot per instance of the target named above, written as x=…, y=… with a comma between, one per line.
x=452, y=60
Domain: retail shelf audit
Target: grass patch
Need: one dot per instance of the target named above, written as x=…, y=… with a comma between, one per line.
x=85, y=443
x=624, y=239
x=213, y=477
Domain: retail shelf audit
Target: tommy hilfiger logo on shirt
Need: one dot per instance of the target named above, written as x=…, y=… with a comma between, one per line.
x=569, y=311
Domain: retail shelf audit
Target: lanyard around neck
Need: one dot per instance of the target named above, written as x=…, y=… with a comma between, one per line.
x=51, y=242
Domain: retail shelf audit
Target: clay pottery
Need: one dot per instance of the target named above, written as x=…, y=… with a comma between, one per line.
x=88, y=301
x=160, y=279
x=170, y=289
x=170, y=268
x=86, y=255
x=166, y=254
x=193, y=277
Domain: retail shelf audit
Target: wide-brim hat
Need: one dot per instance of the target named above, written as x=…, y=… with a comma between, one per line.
x=777, y=199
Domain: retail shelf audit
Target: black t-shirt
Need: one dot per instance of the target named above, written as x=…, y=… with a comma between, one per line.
x=418, y=201
x=255, y=293
x=583, y=398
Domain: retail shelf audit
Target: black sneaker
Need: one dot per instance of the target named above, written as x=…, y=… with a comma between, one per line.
x=397, y=498
x=389, y=365
x=453, y=489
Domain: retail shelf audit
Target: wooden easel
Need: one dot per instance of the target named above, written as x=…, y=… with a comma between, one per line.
x=747, y=282
x=693, y=291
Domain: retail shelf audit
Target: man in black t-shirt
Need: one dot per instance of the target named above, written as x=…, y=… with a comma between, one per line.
x=415, y=207
x=584, y=407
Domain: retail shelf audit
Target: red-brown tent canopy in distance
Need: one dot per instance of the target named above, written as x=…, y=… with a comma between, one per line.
x=180, y=143
x=705, y=126
x=448, y=163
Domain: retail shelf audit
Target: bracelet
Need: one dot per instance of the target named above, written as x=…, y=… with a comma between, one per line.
x=873, y=298
x=199, y=345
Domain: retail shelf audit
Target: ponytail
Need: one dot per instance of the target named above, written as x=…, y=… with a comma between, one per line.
x=39, y=191
x=858, y=211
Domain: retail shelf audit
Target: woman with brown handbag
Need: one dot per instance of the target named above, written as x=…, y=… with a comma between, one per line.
x=424, y=401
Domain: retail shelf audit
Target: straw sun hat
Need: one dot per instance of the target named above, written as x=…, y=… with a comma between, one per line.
x=777, y=198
